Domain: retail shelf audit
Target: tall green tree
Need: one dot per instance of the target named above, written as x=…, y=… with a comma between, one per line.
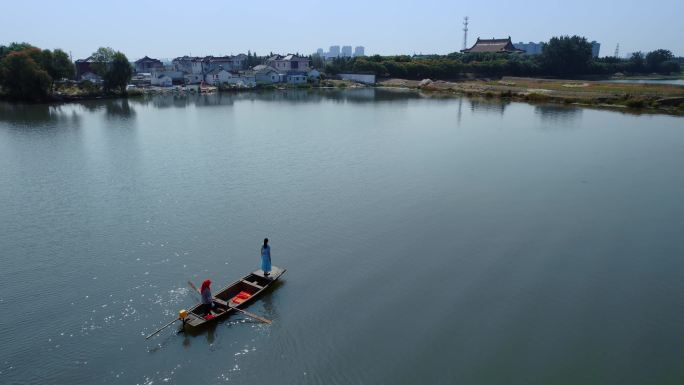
x=57, y=64
x=637, y=62
x=62, y=65
x=119, y=73
x=22, y=77
x=566, y=56
x=655, y=59
x=317, y=61
x=101, y=60
x=13, y=47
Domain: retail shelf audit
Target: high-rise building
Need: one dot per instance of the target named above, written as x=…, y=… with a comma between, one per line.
x=334, y=51
x=530, y=48
x=346, y=51
x=595, y=49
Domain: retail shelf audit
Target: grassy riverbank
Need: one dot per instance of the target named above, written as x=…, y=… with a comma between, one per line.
x=638, y=97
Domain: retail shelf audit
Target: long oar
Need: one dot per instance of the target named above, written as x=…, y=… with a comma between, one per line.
x=256, y=317
x=162, y=328
x=248, y=314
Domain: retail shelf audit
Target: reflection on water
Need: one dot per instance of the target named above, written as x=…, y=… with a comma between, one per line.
x=211, y=333
x=557, y=114
x=543, y=238
x=360, y=95
x=489, y=105
x=34, y=116
x=91, y=105
x=119, y=108
x=266, y=299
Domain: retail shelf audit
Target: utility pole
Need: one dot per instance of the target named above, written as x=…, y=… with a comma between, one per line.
x=465, y=33
x=617, y=50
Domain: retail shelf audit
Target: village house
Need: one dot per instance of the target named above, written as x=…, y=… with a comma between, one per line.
x=182, y=64
x=264, y=74
x=193, y=78
x=197, y=66
x=289, y=63
x=202, y=65
x=188, y=65
x=162, y=80
x=493, y=46
x=296, y=78
x=210, y=63
x=229, y=63
x=176, y=76
x=240, y=61
x=245, y=79
x=92, y=77
x=217, y=76
x=148, y=64
x=359, y=78
x=83, y=66
x=141, y=79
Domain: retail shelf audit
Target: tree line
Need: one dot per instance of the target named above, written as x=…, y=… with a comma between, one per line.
x=29, y=73
x=114, y=68
x=565, y=56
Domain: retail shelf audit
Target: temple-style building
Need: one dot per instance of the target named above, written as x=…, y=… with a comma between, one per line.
x=493, y=46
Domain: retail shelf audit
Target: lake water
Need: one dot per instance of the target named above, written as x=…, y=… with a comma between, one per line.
x=427, y=240
x=677, y=82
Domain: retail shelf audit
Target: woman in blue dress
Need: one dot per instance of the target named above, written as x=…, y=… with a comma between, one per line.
x=266, y=258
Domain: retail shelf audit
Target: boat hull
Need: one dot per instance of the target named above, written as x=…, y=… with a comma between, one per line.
x=225, y=299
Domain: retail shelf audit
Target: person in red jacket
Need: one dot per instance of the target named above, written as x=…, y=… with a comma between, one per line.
x=207, y=300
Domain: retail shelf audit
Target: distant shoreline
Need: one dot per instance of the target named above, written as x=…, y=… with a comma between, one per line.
x=628, y=97
x=633, y=97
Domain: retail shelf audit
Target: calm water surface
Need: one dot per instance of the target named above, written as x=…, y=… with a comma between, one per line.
x=677, y=82
x=427, y=240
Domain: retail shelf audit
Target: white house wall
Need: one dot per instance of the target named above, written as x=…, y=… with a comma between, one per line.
x=365, y=79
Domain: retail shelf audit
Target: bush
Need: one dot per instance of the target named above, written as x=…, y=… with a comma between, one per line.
x=636, y=103
x=535, y=97
x=88, y=87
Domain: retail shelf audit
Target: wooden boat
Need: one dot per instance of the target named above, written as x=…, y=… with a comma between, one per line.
x=249, y=286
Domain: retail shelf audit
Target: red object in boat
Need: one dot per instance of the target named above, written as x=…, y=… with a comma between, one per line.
x=241, y=297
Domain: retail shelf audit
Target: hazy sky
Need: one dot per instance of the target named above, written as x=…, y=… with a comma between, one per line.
x=170, y=28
